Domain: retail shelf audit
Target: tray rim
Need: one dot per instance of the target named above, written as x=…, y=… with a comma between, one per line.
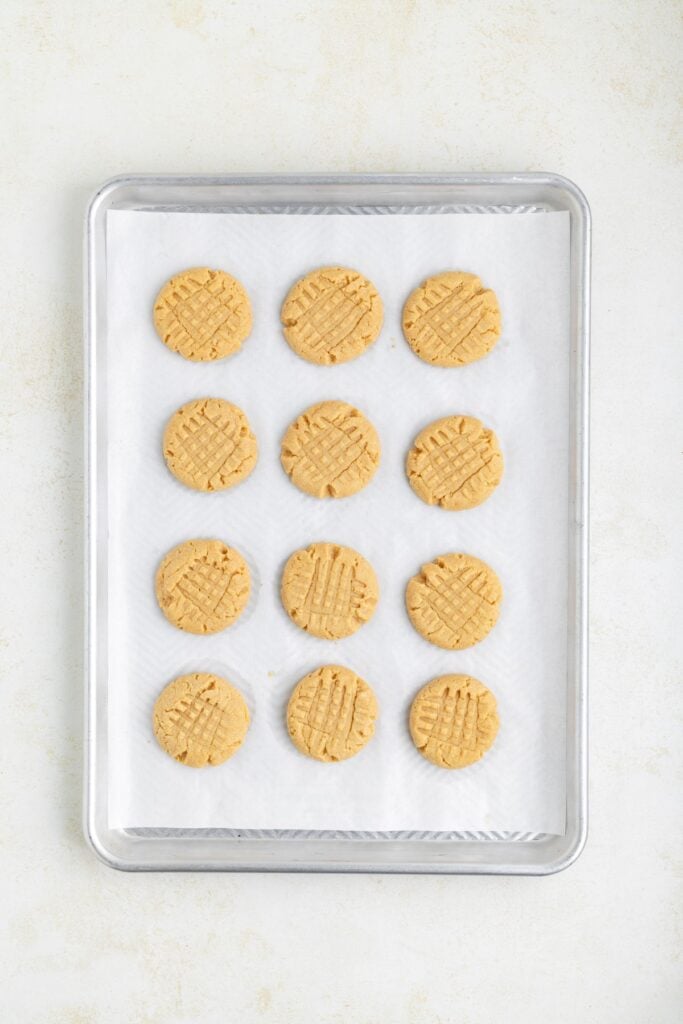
x=121, y=849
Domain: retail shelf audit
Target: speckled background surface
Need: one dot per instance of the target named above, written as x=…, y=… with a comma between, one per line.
x=591, y=90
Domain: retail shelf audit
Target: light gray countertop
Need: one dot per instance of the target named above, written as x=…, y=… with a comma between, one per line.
x=589, y=90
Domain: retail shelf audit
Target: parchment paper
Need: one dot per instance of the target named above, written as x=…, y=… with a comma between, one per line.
x=520, y=390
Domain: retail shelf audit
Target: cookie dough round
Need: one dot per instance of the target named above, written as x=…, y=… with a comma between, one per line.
x=455, y=463
x=451, y=319
x=202, y=586
x=454, y=601
x=208, y=445
x=332, y=315
x=331, y=714
x=200, y=719
x=329, y=590
x=331, y=450
x=453, y=721
x=203, y=314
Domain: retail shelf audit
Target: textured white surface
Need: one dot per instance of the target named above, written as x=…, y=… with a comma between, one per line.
x=589, y=90
x=520, y=391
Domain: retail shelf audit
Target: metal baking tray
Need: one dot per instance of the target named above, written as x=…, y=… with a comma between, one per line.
x=199, y=849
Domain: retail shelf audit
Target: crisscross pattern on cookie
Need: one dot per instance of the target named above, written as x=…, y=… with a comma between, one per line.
x=332, y=315
x=455, y=462
x=454, y=601
x=209, y=446
x=203, y=586
x=329, y=590
x=203, y=314
x=331, y=714
x=454, y=721
x=451, y=319
x=200, y=719
x=331, y=450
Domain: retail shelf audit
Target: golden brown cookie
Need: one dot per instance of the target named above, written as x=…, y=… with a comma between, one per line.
x=455, y=462
x=454, y=601
x=209, y=446
x=331, y=450
x=202, y=586
x=203, y=314
x=453, y=721
x=332, y=315
x=331, y=714
x=200, y=719
x=329, y=590
x=451, y=319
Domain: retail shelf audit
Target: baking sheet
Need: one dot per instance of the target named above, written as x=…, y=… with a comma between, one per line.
x=521, y=391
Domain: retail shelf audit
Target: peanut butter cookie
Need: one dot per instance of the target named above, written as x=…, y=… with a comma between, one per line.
x=454, y=721
x=200, y=719
x=455, y=463
x=203, y=314
x=451, y=319
x=208, y=445
x=329, y=590
x=331, y=450
x=202, y=586
x=331, y=714
x=332, y=315
x=454, y=601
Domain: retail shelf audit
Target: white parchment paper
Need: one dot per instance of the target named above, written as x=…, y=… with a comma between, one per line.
x=521, y=391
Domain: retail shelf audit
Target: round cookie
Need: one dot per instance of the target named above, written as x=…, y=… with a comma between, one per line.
x=200, y=719
x=455, y=463
x=208, y=445
x=454, y=601
x=453, y=721
x=203, y=314
x=331, y=450
x=451, y=319
x=332, y=315
x=331, y=714
x=202, y=586
x=329, y=590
